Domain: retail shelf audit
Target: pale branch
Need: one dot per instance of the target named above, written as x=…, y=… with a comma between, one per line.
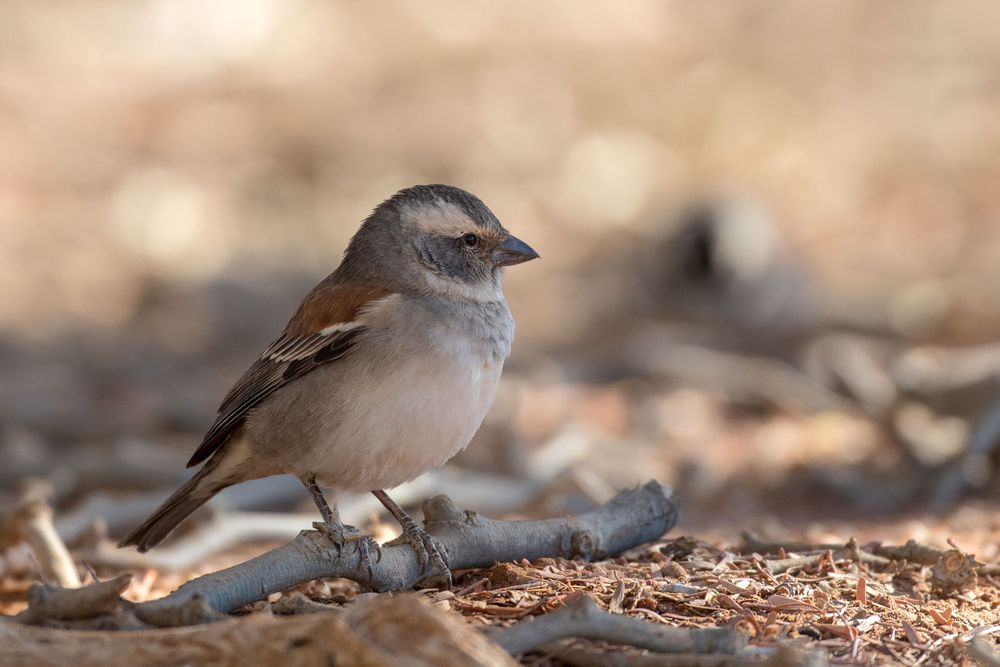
x=631, y=518
x=953, y=569
x=47, y=602
x=849, y=551
x=582, y=618
x=30, y=521
x=782, y=565
x=913, y=551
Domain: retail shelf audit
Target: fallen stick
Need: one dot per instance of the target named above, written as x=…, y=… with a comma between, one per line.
x=843, y=553
x=953, y=569
x=913, y=551
x=850, y=551
x=631, y=518
x=47, y=602
x=30, y=522
x=582, y=618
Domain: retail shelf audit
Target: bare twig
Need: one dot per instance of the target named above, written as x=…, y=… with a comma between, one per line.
x=785, y=564
x=631, y=518
x=953, y=569
x=849, y=551
x=582, y=618
x=51, y=602
x=30, y=521
x=913, y=551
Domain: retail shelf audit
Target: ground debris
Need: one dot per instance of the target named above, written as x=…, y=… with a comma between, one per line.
x=848, y=610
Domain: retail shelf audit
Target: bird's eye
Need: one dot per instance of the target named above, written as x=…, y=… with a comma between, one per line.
x=470, y=240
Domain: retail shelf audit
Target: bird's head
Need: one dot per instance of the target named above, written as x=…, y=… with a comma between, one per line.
x=440, y=240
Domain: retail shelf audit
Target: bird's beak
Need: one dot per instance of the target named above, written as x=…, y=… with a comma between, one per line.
x=513, y=251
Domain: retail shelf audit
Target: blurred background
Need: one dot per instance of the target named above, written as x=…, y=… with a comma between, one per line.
x=770, y=239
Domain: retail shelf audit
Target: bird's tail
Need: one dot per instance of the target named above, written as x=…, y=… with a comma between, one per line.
x=195, y=493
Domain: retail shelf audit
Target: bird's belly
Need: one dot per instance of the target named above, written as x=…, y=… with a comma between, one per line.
x=391, y=426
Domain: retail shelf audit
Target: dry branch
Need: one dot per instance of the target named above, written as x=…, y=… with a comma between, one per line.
x=584, y=619
x=629, y=519
x=849, y=551
x=588, y=657
x=30, y=521
x=47, y=602
x=399, y=630
x=913, y=551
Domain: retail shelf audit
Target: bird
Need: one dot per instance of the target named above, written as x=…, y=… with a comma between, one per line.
x=385, y=370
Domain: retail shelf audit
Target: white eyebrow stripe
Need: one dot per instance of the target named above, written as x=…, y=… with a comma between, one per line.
x=441, y=217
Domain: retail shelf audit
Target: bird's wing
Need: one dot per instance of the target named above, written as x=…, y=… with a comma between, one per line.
x=323, y=329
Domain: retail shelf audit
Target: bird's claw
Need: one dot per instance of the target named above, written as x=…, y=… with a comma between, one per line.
x=431, y=554
x=342, y=534
x=336, y=533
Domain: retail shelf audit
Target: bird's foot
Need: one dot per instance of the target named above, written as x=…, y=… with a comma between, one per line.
x=364, y=545
x=431, y=555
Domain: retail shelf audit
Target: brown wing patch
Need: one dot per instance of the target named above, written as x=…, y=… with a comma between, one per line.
x=302, y=347
x=326, y=306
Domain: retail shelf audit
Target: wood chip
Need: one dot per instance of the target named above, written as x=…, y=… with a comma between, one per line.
x=912, y=636
x=782, y=603
x=941, y=619
x=615, y=603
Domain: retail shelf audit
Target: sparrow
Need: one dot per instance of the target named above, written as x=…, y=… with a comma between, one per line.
x=385, y=371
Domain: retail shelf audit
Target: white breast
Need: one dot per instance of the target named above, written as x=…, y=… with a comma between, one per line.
x=401, y=403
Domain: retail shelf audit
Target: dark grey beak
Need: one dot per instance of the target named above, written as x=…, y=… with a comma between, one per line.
x=513, y=251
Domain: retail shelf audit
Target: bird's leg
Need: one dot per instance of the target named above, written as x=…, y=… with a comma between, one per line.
x=339, y=533
x=330, y=514
x=429, y=550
